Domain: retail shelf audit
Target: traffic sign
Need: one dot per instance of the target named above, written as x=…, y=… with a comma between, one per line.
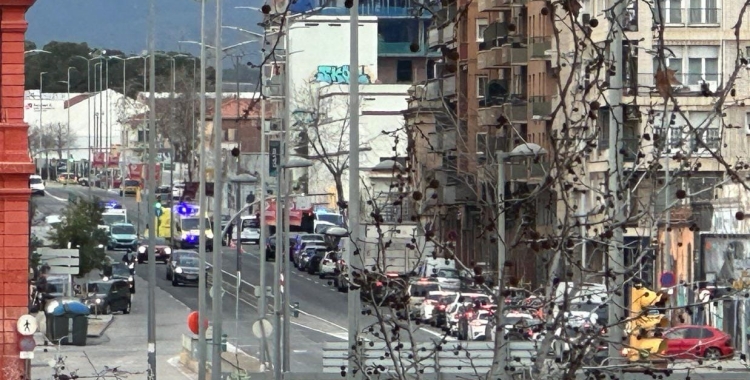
x=26, y=325
x=667, y=279
x=262, y=328
x=61, y=261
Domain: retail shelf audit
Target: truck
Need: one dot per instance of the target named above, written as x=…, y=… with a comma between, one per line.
x=326, y=217
x=111, y=217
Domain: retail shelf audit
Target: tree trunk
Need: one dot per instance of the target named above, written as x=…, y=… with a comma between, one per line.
x=340, y=196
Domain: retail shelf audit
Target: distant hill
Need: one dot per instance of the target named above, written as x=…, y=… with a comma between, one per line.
x=123, y=25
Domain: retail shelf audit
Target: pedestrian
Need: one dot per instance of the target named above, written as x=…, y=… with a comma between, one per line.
x=230, y=232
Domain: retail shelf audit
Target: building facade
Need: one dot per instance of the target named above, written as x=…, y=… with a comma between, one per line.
x=16, y=166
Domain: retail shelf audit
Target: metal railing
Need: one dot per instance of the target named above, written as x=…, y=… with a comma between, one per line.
x=680, y=83
x=540, y=106
x=539, y=45
x=688, y=16
x=397, y=48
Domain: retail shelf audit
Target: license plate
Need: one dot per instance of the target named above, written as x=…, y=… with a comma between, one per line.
x=191, y=276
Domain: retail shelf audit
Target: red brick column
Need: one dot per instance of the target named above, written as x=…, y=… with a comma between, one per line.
x=15, y=167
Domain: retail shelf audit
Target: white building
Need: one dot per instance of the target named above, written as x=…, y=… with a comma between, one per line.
x=319, y=67
x=107, y=110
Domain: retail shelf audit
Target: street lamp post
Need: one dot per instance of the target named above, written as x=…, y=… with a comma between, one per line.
x=526, y=150
x=67, y=158
x=41, y=124
x=202, y=310
x=88, y=115
x=151, y=179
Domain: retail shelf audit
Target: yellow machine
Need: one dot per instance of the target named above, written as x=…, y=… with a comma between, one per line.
x=645, y=324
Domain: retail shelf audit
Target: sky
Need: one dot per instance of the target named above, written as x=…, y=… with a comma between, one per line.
x=123, y=24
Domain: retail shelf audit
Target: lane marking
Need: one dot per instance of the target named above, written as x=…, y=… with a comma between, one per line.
x=54, y=197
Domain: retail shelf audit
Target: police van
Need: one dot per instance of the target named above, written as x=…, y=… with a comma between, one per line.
x=186, y=222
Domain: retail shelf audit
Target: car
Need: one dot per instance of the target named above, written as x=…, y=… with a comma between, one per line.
x=175, y=258
x=84, y=181
x=110, y=205
x=67, y=178
x=472, y=326
x=307, y=238
x=314, y=260
x=130, y=187
x=106, y=297
x=304, y=259
x=462, y=299
x=121, y=271
x=177, y=189
x=448, y=278
x=250, y=231
x=163, y=251
x=185, y=270
x=430, y=303
x=122, y=235
x=328, y=264
x=418, y=291
x=36, y=184
x=517, y=326
x=271, y=248
x=696, y=342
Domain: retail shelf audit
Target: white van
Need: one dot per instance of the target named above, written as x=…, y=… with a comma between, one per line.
x=36, y=184
x=250, y=229
x=187, y=233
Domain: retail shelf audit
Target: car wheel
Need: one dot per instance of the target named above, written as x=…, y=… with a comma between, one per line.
x=140, y=260
x=175, y=283
x=107, y=309
x=127, y=308
x=712, y=353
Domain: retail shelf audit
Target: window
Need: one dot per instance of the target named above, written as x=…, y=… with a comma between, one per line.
x=669, y=12
x=703, y=12
x=676, y=334
x=701, y=65
x=681, y=135
x=482, y=81
x=430, y=69
x=482, y=24
x=404, y=73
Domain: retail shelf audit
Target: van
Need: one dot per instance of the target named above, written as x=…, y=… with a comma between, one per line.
x=250, y=229
x=36, y=184
x=429, y=267
x=187, y=233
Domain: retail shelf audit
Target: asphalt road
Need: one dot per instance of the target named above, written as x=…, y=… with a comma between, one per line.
x=323, y=316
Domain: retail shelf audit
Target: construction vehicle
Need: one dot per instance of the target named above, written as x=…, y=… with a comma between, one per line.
x=646, y=323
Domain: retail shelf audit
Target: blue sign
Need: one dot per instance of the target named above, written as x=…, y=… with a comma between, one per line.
x=667, y=280
x=274, y=158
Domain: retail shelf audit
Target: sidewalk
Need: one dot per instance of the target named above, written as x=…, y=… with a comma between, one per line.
x=123, y=345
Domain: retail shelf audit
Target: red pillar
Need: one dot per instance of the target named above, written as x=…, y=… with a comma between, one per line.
x=15, y=168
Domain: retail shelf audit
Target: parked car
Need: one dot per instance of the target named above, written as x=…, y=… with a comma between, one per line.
x=328, y=264
x=68, y=178
x=185, y=270
x=175, y=257
x=695, y=342
x=121, y=271
x=162, y=250
x=36, y=184
x=106, y=297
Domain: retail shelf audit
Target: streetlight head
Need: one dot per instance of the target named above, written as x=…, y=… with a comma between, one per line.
x=297, y=162
x=527, y=150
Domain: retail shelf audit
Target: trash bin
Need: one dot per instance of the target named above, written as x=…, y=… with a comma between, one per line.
x=69, y=319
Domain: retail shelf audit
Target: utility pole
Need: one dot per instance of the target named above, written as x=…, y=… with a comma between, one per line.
x=353, y=207
x=202, y=312
x=67, y=158
x=41, y=124
x=615, y=264
x=151, y=179
x=218, y=189
x=286, y=175
x=262, y=306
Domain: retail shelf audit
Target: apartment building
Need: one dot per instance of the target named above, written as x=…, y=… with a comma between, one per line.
x=492, y=92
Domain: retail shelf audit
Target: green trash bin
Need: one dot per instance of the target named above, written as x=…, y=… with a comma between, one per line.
x=69, y=323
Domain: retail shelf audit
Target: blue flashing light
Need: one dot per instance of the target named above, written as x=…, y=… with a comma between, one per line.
x=192, y=239
x=185, y=209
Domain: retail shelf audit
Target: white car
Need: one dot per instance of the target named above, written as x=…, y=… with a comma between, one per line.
x=418, y=291
x=467, y=300
x=430, y=303
x=478, y=326
x=177, y=189
x=250, y=229
x=36, y=184
x=448, y=278
x=328, y=264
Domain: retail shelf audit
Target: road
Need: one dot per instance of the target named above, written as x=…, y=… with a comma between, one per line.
x=323, y=310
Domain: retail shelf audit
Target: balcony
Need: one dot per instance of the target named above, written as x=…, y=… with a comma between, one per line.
x=541, y=106
x=539, y=45
x=680, y=84
x=386, y=49
x=498, y=5
x=513, y=56
x=516, y=112
x=488, y=116
x=439, y=36
x=693, y=17
x=489, y=59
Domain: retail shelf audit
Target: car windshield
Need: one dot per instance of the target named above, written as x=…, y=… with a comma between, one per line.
x=123, y=230
x=131, y=182
x=35, y=181
x=434, y=297
x=420, y=290
x=189, y=262
x=110, y=219
x=192, y=223
x=250, y=223
x=447, y=273
x=331, y=218
x=120, y=270
x=99, y=287
x=311, y=238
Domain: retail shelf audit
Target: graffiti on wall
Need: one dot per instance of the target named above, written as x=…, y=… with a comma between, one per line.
x=340, y=74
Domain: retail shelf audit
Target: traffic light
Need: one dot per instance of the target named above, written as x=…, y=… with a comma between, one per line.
x=295, y=309
x=647, y=319
x=157, y=209
x=223, y=342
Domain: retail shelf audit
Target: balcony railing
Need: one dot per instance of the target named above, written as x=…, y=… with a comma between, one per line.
x=433, y=37
x=513, y=56
x=488, y=115
x=488, y=59
x=516, y=112
x=686, y=84
x=449, y=86
x=688, y=16
x=540, y=106
x=438, y=36
x=397, y=48
x=539, y=45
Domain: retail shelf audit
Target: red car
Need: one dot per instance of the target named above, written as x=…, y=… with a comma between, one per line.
x=693, y=342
